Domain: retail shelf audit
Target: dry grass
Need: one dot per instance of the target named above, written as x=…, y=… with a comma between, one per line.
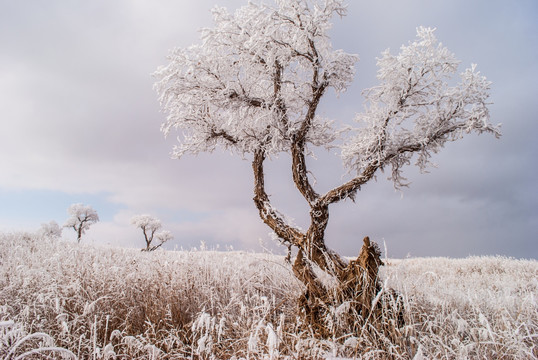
x=65, y=300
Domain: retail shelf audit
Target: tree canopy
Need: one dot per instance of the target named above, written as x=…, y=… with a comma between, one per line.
x=255, y=82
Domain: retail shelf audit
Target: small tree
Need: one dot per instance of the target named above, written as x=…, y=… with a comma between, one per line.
x=150, y=225
x=82, y=217
x=253, y=86
x=50, y=230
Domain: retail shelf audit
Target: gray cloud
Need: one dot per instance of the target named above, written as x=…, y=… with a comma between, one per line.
x=78, y=114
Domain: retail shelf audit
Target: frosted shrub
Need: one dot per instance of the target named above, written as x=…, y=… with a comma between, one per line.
x=50, y=230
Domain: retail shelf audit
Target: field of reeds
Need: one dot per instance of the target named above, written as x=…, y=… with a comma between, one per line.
x=63, y=300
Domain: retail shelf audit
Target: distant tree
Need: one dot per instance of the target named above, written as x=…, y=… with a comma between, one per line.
x=253, y=86
x=82, y=217
x=51, y=230
x=162, y=237
x=150, y=225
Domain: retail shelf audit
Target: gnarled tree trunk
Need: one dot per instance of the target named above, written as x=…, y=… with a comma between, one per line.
x=354, y=284
x=355, y=288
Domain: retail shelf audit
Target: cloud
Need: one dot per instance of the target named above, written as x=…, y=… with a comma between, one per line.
x=79, y=116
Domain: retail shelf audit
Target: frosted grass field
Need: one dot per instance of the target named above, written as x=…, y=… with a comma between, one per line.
x=63, y=300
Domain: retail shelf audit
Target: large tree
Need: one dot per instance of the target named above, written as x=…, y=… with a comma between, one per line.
x=253, y=86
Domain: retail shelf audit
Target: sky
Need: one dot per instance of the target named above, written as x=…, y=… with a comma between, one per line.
x=80, y=123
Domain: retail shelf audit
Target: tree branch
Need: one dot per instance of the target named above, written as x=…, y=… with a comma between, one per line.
x=349, y=189
x=233, y=95
x=300, y=174
x=268, y=214
x=223, y=134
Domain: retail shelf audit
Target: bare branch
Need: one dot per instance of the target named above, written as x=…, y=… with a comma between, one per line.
x=224, y=135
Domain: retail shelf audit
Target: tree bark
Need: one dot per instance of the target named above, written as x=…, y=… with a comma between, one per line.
x=355, y=283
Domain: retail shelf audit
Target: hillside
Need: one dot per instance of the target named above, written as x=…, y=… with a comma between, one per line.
x=115, y=303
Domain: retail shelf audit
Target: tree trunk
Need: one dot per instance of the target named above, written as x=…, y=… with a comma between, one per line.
x=354, y=289
x=354, y=286
x=79, y=232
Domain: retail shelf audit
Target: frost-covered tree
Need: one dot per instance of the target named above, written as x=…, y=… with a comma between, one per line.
x=150, y=225
x=82, y=217
x=253, y=86
x=50, y=230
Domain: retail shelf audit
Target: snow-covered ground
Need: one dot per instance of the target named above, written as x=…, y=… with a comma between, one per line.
x=92, y=302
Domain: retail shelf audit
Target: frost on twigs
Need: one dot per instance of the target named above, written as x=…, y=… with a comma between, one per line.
x=416, y=110
x=251, y=82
